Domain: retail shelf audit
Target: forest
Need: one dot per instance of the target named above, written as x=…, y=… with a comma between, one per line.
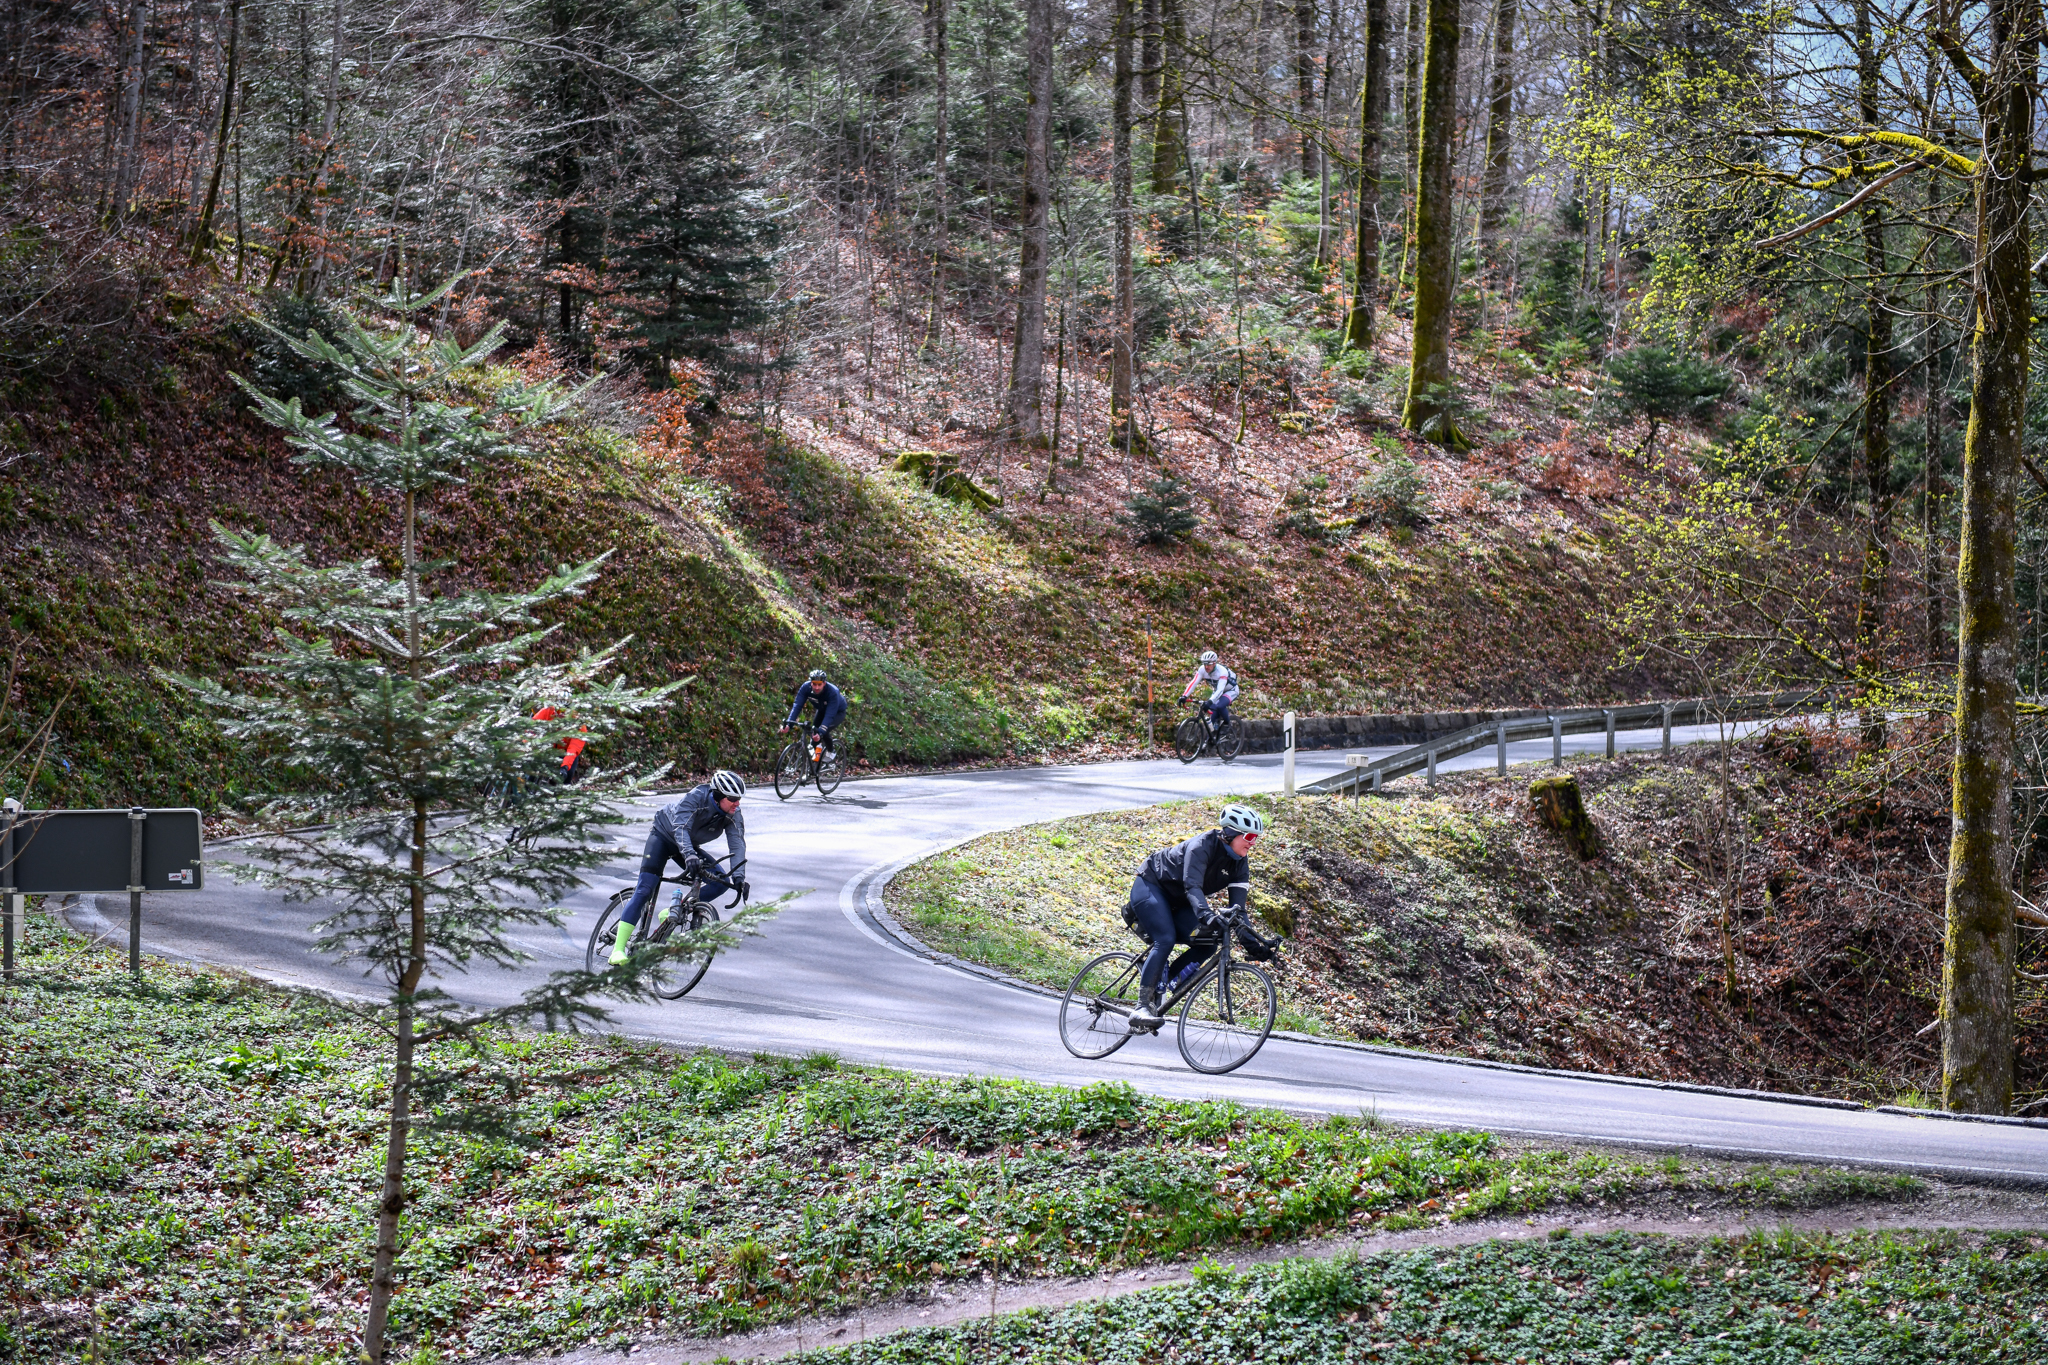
x=1427, y=352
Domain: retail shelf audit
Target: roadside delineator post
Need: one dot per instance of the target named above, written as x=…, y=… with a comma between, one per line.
x=1556, y=740
x=1500, y=759
x=1287, y=749
x=136, y=815
x=1148, y=686
x=1432, y=767
x=1667, y=729
x=1610, y=733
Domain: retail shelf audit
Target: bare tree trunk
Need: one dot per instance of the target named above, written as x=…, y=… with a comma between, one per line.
x=220, y=144
x=1411, y=91
x=1152, y=36
x=1932, y=489
x=1874, y=588
x=1493, y=200
x=128, y=149
x=1123, y=324
x=1427, y=410
x=1167, y=151
x=1977, y=952
x=1305, y=81
x=1027, y=359
x=935, y=10
x=1360, y=327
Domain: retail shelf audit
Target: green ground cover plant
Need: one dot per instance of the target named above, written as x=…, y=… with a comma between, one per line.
x=188, y=1163
x=1759, y=1300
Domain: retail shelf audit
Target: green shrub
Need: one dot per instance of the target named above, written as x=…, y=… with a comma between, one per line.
x=1395, y=494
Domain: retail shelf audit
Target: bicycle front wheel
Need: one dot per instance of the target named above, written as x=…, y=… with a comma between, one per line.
x=828, y=775
x=687, y=972
x=792, y=765
x=1095, y=1016
x=1188, y=737
x=1230, y=743
x=1227, y=1019
x=597, y=956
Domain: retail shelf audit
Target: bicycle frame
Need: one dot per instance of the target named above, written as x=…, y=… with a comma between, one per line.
x=1224, y=943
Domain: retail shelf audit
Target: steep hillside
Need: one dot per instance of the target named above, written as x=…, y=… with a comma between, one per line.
x=745, y=554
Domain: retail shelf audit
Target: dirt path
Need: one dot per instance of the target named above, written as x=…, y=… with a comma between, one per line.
x=1945, y=1208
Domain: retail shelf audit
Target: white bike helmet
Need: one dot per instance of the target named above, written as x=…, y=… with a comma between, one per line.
x=1208, y=656
x=727, y=784
x=1242, y=820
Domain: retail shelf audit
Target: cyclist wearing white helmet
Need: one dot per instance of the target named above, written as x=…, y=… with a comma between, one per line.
x=1221, y=684
x=1170, y=898
x=703, y=813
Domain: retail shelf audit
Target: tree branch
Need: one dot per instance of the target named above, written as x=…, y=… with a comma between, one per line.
x=1847, y=205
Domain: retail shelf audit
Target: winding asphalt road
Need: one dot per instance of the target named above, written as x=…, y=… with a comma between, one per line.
x=828, y=974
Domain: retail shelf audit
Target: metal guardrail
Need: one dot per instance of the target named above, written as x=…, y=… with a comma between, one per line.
x=1370, y=777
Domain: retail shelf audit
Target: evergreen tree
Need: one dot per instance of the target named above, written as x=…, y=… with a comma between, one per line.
x=395, y=711
x=694, y=252
x=1660, y=384
x=1163, y=513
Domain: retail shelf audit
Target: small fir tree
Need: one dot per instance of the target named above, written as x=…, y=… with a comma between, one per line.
x=1662, y=385
x=1163, y=514
x=397, y=709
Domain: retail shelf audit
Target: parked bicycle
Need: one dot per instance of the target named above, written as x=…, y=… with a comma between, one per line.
x=1197, y=735
x=686, y=914
x=807, y=760
x=1226, y=1007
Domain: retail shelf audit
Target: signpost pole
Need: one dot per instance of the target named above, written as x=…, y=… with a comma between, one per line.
x=12, y=909
x=1287, y=764
x=136, y=815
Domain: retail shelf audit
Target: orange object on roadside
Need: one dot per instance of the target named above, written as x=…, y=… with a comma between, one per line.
x=572, y=745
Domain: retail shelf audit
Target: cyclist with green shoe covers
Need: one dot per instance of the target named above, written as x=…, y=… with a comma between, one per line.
x=702, y=814
x=1169, y=899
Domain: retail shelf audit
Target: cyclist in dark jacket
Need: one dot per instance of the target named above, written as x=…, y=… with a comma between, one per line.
x=1170, y=898
x=703, y=813
x=828, y=705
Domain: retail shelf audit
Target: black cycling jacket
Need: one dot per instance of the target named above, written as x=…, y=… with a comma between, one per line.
x=830, y=705
x=696, y=818
x=1198, y=869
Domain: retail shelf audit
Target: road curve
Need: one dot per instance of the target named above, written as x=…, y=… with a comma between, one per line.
x=825, y=976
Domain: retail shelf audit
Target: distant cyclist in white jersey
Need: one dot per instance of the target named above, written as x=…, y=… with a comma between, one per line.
x=1220, y=683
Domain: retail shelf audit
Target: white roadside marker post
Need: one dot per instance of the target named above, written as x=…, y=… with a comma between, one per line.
x=1287, y=749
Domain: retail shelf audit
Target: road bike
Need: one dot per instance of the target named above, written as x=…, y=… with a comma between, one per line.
x=1195, y=736
x=1226, y=1007
x=686, y=914
x=807, y=760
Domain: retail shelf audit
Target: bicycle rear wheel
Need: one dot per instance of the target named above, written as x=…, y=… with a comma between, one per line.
x=1094, y=1018
x=686, y=973
x=1188, y=738
x=1227, y=1019
x=792, y=766
x=598, y=955
x=828, y=775
x=1230, y=743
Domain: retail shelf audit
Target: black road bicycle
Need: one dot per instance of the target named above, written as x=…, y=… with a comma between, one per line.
x=1196, y=736
x=686, y=915
x=807, y=760
x=1226, y=1009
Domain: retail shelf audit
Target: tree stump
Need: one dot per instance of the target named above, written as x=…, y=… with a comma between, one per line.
x=1559, y=806
x=940, y=474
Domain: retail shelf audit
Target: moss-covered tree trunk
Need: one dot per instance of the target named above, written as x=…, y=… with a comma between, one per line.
x=1123, y=348
x=1027, y=355
x=935, y=28
x=1360, y=327
x=1305, y=82
x=1427, y=410
x=1167, y=114
x=1932, y=489
x=1977, y=952
x=1500, y=112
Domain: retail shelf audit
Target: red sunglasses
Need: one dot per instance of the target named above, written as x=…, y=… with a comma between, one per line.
x=1249, y=838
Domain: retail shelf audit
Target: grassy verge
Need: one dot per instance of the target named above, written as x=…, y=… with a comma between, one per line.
x=188, y=1165
x=1616, y=1298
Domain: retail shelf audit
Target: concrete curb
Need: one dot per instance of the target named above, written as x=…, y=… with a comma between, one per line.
x=870, y=885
